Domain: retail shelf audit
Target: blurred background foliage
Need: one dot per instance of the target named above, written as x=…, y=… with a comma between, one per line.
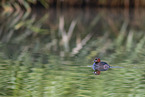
x=74, y=3
x=27, y=4
x=44, y=52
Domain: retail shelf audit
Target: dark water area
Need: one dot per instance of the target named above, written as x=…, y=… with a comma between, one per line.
x=50, y=53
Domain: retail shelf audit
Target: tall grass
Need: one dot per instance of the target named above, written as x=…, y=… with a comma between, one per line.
x=56, y=35
x=9, y=5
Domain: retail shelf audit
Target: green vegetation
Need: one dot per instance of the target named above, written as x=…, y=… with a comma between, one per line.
x=27, y=4
x=46, y=53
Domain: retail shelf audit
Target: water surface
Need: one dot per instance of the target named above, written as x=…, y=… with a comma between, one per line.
x=46, y=53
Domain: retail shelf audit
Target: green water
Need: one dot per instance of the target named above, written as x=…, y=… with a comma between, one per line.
x=38, y=58
x=63, y=78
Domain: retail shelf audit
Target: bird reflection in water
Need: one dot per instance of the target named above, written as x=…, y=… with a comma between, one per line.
x=99, y=66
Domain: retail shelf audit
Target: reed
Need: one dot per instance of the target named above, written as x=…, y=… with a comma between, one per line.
x=47, y=54
x=10, y=5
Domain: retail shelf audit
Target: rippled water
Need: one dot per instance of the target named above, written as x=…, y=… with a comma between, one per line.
x=40, y=63
x=69, y=78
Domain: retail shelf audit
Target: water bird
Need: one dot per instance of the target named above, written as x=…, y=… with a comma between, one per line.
x=99, y=66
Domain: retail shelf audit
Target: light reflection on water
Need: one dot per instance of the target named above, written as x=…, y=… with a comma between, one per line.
x=55, y=79
x=40, y=64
